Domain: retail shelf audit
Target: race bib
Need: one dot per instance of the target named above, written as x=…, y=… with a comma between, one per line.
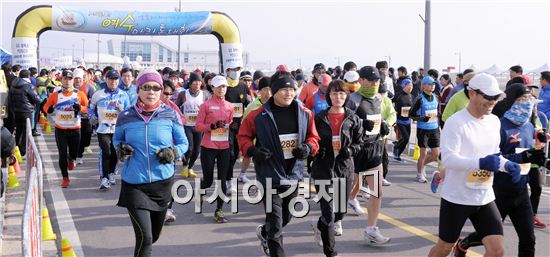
x=237, y=110
x=66, y=118
x=405, y=111
x=288, y=143
x=479, y=179
x=525, y=167
x=377, y=119
x=220, y=134
x=109, y=116
x=336, y=144
x=190, y=118
x=432, y=114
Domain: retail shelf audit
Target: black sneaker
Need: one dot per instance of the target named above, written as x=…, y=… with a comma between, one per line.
x=263, y=240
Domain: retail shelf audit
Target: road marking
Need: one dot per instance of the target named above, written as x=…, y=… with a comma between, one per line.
x=62, y=210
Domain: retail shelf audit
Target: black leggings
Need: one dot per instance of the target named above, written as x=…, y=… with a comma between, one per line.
x=403, y=136
x=66, y=138
x=208, y=156
x=194, y=138
x=385, y=160
x=536, y=189
x=85, y=136
x=234, y=153
x=108, y=155
x=147, y=227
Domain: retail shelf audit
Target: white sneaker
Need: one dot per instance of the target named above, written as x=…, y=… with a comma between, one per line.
x=263, y=240
x=373, y=236
x=79, y=161
x=104, y=185
x=365, y=192
x=386, y=183
x=338, y=230
x=87, y=149
x=420, y=178
x=112, y=179
x=229, y=188
x=170, y=216
x=316, y=233
x=355, y=207
x=243, y=178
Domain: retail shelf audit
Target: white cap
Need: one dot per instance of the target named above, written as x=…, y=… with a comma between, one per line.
x=78, y=73
x=218, y=81
x=351, y=76
x=98, y=73
x=486, y=83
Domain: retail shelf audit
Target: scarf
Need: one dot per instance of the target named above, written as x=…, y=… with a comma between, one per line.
x=146, y=111
x=520, y=112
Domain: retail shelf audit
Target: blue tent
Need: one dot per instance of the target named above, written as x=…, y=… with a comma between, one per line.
x=5, y=56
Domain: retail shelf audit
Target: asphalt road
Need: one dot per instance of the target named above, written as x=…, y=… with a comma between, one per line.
x=97, y=227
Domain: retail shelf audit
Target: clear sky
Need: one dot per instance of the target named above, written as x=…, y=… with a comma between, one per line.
x=293, y=32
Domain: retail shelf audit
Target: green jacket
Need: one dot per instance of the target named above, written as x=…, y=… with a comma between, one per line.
x=458, y=102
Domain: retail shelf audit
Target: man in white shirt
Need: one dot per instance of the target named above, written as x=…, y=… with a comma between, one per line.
x=470, y=152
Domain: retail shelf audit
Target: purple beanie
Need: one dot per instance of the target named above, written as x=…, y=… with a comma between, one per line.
x=148, y=76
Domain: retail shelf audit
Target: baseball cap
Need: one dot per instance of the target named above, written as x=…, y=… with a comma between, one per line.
x=78, y=73
x=112, y=74
x=427, y=80
x=405, y=82
x=246, y=75
x=325, y=79
x=485, y=83
x=318, y=66
x=351, y=76
x=67, y=73
x=218, y=81
x=258, y=75
x=369, y=73
x=98, y=73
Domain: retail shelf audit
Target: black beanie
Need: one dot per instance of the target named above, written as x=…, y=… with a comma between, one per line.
x=264, y=82
x=257, y=75
x=194, y=76
x=281, y=82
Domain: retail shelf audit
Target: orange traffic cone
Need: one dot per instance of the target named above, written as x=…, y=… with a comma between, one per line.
x=42, y=119
x=66, y=248
x=47, y=230
x=16, y=166
x=13, y=181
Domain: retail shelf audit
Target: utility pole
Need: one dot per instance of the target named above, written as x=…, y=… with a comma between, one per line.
x=427, y=35
x=179, y=43
x=83, y=40
x=459, y=61
x=73, y=55
x=98, y=41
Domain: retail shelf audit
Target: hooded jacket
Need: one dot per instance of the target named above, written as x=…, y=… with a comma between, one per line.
x=22, y=97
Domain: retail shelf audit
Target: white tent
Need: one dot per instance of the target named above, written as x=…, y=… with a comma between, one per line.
x=493, y=70
x=91, y=58
x=540, y=69
x=473, y=68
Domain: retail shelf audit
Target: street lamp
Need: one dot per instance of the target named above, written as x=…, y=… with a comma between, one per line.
x=459, y=61
x=389, y=60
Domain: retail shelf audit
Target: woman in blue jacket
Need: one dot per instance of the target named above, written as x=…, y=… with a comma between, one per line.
x=149, y=137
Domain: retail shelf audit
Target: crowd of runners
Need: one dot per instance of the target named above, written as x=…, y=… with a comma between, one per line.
x=334, y=123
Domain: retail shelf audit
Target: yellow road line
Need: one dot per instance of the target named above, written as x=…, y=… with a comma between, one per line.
x=416, y=231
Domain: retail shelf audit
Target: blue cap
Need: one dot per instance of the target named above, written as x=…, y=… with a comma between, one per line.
x=427, y=80
x=405, y=82
x=112, y=74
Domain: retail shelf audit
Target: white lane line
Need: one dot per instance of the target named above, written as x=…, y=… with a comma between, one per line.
x=62, y=211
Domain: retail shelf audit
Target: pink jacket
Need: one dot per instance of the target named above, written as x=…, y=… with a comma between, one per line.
x=214, y=109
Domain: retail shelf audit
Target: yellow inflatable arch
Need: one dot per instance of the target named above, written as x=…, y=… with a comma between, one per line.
x=37, y=19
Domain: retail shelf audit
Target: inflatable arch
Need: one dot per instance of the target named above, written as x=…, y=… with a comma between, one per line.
x=37, y=19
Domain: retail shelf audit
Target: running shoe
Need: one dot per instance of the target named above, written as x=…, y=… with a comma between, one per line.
x=373, y=236
x=87, y=149
x=355, y=207
x=436, y=180
x=458, y=251
x=539, y=223
x=219, y=216
x=229, y=188
x=365, y=192
x=243, y=178
x=65, y=183
x=420, y=178
x=112, y=180
x=263, y=240
x=316, y=233
x=104, y=185
x=338, y=230
x=79, y=161
x=186, y=172
x=170, y=216
x=70, y=165
x=386, y=183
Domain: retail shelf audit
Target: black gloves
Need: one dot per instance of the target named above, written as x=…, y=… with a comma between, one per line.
x=166, y=155
x=368, y=125
x=259, y=153
x=384, y=129
x=534, y=156
x=124, y=151
x=346, y=152
x=302, y=151
x=424, y=119
x=234, y=126
x=217, y=125
x=50, y=109
x=76, y=107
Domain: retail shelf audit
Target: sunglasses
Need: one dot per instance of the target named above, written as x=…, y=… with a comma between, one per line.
x=247, y=80
x=488, y=97
x=149, y=88
x=165, y=93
